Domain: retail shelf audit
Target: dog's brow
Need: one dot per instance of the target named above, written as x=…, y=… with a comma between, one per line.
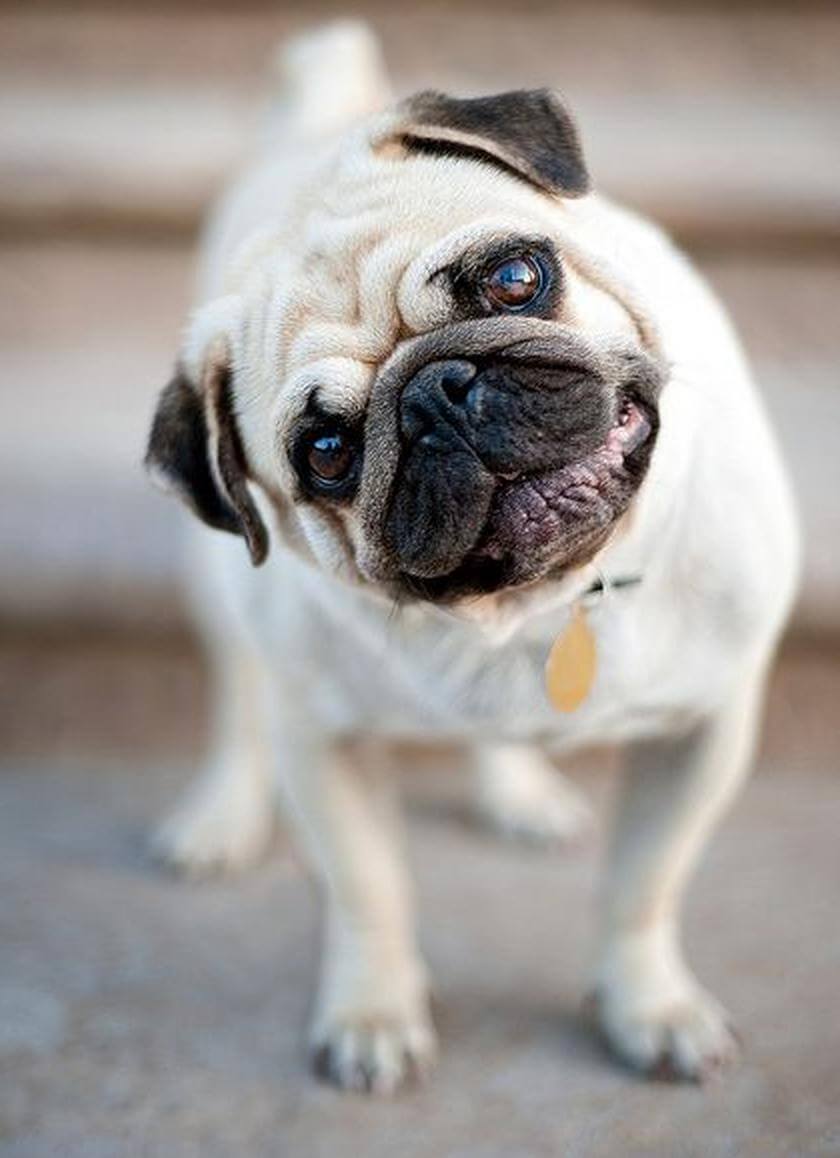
x=454, y=269
x=440, y=270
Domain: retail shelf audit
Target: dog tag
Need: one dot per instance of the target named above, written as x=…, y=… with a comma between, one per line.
x=570, y=670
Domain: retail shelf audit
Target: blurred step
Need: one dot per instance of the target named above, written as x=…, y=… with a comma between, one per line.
x=89, y=335
x=722, y=123
x=120, y=160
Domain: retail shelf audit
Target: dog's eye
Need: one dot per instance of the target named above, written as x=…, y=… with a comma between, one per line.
x=514, y=283
x=331, y=458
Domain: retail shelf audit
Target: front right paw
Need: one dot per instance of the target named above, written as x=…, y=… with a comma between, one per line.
x=375, y=1052
x=373, y=1031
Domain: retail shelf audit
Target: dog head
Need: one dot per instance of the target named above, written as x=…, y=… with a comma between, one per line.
x=435, y=389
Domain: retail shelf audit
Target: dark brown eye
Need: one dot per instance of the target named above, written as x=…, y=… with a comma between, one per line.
x=514, y=282
x=331, y=458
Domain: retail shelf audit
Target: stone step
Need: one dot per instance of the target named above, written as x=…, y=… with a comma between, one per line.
x=88, y=336
x=719, y=121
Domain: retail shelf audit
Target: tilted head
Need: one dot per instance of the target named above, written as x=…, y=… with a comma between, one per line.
x=439, y=391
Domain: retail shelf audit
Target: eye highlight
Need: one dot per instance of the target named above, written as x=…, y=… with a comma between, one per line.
x=327, y=456
x=515, y=282
x=331, y=457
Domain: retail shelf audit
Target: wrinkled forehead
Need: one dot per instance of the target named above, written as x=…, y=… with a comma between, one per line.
x=354, y=272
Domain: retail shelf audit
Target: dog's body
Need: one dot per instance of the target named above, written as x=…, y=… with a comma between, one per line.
x=318, y=666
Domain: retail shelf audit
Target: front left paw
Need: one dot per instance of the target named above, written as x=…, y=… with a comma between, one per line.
x=686, y=1037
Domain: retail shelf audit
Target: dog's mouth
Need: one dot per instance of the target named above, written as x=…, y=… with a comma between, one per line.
x=544, y=524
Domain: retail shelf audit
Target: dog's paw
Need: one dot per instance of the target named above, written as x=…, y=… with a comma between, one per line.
x=215, y=832
x=548, y=823
x=687, y=1037
x=374, y=1053
x=540, y=808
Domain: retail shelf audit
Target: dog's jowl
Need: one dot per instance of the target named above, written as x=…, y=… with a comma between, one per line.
x=443, y=405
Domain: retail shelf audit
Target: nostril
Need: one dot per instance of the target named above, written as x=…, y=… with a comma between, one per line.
x=455, y=379
x=436, y=396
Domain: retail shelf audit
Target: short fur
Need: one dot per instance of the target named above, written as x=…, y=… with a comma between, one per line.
x=327, y=289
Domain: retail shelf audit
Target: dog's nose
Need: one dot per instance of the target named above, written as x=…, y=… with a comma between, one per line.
x=435, y=393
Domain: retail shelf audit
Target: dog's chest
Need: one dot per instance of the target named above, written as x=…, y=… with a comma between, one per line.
x=421, y=679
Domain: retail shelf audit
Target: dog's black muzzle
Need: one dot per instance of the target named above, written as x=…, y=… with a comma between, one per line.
x=469, y=445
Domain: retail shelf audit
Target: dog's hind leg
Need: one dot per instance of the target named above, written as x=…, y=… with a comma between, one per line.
x=520, y=795
x=226, y=819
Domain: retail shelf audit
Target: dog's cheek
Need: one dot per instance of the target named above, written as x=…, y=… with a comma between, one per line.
x=595, y=311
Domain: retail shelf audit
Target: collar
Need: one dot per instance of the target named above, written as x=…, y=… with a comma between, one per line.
x=604, y=584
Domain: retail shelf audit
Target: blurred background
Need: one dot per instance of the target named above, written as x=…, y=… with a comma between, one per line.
x=139, y=1015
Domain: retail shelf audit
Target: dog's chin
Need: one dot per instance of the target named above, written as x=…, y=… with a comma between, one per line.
x=542, y=526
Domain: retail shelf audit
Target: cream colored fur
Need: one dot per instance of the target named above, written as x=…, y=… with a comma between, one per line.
x=315, y=265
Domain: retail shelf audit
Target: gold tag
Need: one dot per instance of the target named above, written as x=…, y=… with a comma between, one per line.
x=572, y=661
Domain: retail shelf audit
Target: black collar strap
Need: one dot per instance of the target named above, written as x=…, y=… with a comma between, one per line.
x=603, y=584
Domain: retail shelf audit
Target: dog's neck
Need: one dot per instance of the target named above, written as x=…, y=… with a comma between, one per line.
x=499, y=617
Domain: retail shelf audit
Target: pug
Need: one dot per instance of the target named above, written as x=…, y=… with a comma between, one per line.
x=453, y=408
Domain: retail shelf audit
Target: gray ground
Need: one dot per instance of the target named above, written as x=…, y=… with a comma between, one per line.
x=142, y=1015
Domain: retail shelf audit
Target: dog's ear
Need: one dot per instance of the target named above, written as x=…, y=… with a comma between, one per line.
x=195, y=450
x=529, y=133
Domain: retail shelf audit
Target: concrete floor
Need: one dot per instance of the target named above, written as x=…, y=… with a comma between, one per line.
x=145, y=1016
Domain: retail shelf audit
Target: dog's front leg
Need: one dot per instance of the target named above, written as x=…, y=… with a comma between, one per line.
x=371, y=1028
x=653, y=1012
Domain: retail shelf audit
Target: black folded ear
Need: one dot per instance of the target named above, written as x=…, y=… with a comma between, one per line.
x=529, y=133
x=195, y=450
